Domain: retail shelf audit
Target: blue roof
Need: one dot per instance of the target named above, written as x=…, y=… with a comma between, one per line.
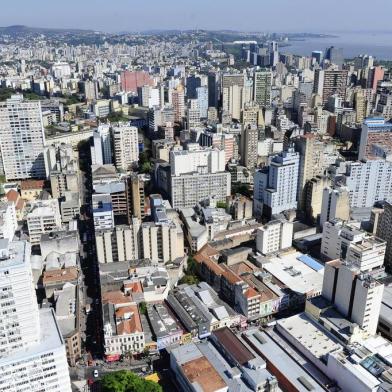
x=310, y=262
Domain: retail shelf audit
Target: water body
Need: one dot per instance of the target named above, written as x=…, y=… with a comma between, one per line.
x=377, y=44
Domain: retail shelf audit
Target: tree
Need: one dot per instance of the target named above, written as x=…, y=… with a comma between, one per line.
x=126, y=381
x=143, y=308
x=190, y=276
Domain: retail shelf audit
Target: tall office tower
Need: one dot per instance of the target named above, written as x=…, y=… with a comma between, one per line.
x=202, y=100
x=335, y=205
x=273, y=53
x=302, y=96
x=317, y=55
x=249, y=139
x=384, y=231
x=375, y=75
x=214, y=89
x=101, y=149
x=22, y=139
x=330, y=82
x=126, y=148
x=262, y=87
x=275, y=187
x=356, y=293
x=32, y=351
x=376, y=138
x=335, y=56
x=192, y=83
x=178, y=102
x=360, y=106
x=232, y=86
x=148, y=96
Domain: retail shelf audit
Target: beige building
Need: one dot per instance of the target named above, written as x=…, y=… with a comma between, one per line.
x=313, y=196
x=162, y=243
x=119, y=244
x=335, y=205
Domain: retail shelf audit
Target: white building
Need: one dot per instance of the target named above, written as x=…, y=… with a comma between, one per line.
x=356, y=295
x=32, y=351
x=101, y=150
x=275, y=188
x=348, y=242
x=102, y=211
x=8, y=222
x=204, y=161
x=22, y=139
x=126, y=149
x=43, y=217
x=274, y=236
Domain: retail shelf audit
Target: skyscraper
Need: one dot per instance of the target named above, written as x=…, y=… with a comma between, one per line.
x=335, y=55
x=249, y=139
x=22, y=139
x=330, y=82
x=32, y=351
x=262, y=87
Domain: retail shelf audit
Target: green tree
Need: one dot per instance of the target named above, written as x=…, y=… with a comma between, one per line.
x=143, y=308
x=126, y=381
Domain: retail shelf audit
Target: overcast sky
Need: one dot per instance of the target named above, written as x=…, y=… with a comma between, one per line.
x=246, y=15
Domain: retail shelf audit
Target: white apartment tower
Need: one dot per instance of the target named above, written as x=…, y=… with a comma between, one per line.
x=32, y=350
x=275, y=188
x=126, y=150
x=22, y=138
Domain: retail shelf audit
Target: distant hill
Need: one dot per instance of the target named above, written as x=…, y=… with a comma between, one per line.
x=20, y=29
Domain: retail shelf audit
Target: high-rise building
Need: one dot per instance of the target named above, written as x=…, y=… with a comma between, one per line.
x=335, y=56
x=330, y=82
x=335, y=205
x=32, y=351
x=131, y=80
x=125, y=145
x=8, y=222
x=119, y=244
x=193, y=82
x=317, y=55
x=214, y=89
x=232, y=86
x=249, y=139
x=136, y=196
x=384, y=231
x=376, y=134
x=262, y=87
x=202, y=100
x=178, y=102
x=22, y=139
x=275, y=187
x=101, y=149
x=375, y=75
x=356, y=294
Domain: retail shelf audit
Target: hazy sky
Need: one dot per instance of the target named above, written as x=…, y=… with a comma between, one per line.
x=246, y=15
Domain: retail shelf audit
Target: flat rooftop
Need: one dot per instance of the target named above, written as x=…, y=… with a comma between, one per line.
x=282, y=361
x=309, y=335
x=294, y=273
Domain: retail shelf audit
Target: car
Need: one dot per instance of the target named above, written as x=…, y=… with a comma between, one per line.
x=96, y=374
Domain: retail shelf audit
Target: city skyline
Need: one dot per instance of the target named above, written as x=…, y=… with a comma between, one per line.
x=251, y=16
